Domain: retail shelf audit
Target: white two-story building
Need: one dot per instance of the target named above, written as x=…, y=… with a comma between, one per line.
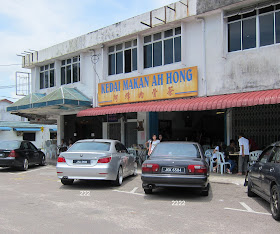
x=195, y=69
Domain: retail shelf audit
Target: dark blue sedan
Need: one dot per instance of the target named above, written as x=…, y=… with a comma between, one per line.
x=264, y=178
x=176, y=164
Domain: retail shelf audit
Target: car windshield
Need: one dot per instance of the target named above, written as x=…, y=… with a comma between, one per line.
x=176, y=150
x=9, y=145
x=90, y=146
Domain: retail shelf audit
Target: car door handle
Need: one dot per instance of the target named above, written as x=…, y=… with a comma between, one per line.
x=260, y=167
x=271, y=169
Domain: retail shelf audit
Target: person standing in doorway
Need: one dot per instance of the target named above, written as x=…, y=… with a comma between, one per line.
x=153, y=144
x=148, y=143
x=243, y=154
x=160, y=137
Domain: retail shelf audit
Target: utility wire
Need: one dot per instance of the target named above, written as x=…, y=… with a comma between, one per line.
x=7, y=65
x=12, y=86
x=10, y=97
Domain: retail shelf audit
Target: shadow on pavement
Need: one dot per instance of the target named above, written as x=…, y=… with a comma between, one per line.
x=96, y=184
x=186, y=194
x=262, y=203
x=16, y=170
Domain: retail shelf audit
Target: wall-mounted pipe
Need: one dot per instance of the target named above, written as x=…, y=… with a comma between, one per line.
x=204, y=53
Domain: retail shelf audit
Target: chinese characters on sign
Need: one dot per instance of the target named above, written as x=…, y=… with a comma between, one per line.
x=164, y=85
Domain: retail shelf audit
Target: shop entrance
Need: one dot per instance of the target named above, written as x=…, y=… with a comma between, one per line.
x=205, y=127
x=114, y=131
x=130, y=134
x=259, y=124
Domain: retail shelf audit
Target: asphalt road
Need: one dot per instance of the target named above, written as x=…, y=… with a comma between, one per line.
x=36, y=202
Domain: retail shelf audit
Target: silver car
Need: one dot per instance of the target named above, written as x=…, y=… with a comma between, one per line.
x=97, y=159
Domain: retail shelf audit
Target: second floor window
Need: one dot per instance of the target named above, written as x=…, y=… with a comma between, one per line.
x=162, y=48
x=123, y=58
x=260, y=27
x=70, y=70
x=47, y=76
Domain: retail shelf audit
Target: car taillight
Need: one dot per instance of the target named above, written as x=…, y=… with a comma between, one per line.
x=197, y=169
x=61, y=159
x=150, y=168
x=13, y=154
x=104, y=160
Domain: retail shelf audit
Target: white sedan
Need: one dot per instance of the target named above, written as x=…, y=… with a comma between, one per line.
x=97, y=159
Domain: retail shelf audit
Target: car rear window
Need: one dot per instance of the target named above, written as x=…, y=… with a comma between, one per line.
x=90, y=146
x=176, y=150
x=9, y=145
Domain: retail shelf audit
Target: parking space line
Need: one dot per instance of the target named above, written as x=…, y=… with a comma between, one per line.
x=254, y=212
x=140, y=194
x=134, y=190
x=248, y=209
x=235, y=183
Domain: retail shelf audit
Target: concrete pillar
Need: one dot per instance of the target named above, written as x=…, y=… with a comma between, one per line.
x=140, y=54
x=57, y=70
x=122, y=131
x=229, y=124
x=142, y=136
x=35, y=85
x=60, y=128
x=183, y=45
x=83, y=68
x=105, y=130
x=104, y=60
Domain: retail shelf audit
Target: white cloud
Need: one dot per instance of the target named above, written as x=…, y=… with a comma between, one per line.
x=38, y=24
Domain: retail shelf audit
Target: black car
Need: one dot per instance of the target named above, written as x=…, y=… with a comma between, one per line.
x=176, y=164
x=264, y=178
x=20, y=154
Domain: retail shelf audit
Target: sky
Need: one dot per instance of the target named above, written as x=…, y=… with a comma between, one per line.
x=37, y=24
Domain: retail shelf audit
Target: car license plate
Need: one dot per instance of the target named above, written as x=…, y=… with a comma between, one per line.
x=173, y=169
x=81, y=161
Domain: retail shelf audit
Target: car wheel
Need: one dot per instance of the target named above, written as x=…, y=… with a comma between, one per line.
x=274, y=202
x=148, y=191
x=135, y=169
x=205, y=192
x=24, y=166
x=119, y=178
x=43, y=161
x=249, y=189
x=67, y=181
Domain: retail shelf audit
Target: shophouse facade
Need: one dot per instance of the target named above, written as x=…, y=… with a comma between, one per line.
x=201, y=70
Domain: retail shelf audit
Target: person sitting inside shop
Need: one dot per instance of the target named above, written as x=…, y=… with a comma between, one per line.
x=217, y=149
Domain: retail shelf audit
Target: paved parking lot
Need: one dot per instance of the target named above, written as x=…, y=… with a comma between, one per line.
x=36, y=202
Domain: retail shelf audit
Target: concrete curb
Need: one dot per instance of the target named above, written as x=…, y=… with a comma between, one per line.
x=227, y=178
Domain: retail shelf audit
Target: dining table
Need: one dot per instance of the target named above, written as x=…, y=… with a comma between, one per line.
x=235, y=157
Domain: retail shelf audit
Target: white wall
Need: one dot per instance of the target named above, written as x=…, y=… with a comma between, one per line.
x=241, y=71
x=40, y=137
x=6, y=116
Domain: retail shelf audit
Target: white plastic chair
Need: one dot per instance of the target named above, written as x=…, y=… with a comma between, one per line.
x=221, y=162
x=253, y=157
x=208, y=154
x=131, y=151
